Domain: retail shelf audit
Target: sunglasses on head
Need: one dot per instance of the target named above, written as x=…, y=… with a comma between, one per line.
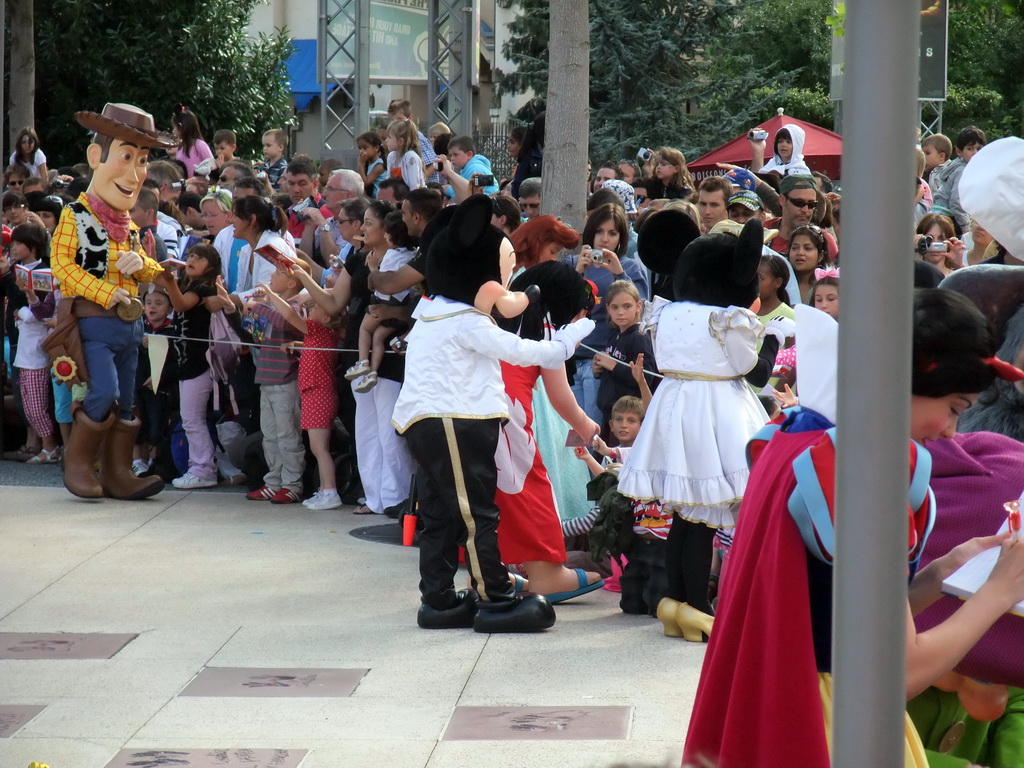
x=802, y=203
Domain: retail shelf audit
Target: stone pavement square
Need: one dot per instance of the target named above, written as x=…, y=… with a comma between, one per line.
x=14, y=717
x=207, y=758
x=274, y=683
x=36, y=645
x=205, y=580
x=538, y=723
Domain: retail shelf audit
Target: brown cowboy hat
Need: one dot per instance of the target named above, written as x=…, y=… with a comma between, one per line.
x=127, y=123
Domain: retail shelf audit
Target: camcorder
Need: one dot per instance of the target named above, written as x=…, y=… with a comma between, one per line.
x=928, y=245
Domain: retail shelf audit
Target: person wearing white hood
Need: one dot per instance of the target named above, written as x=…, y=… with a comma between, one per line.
x=788, y=156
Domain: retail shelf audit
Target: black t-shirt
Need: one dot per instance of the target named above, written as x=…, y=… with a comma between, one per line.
x=195, y=324
x=392, y=366
x=419, y=262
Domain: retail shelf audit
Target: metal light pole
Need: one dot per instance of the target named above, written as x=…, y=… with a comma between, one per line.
x=869, y=617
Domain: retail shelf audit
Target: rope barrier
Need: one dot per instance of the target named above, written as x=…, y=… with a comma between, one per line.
x=254, y=345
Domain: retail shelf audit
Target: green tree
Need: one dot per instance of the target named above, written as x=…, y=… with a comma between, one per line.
x=649, y=62
x=653, y=78
x=195, y=52
x=527, y=47
x=985, y=58
x=782, y=49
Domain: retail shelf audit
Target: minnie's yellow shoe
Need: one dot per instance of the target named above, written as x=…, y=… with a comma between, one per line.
x=694, y=625
x=668, y=610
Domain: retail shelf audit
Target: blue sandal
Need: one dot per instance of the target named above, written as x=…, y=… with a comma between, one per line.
x=584, y=588
x=518, y=583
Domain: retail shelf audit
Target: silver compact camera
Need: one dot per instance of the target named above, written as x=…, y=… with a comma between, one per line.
x=596, y=256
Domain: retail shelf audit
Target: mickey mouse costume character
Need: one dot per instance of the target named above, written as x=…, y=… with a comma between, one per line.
x=451, y=413
x=690, y=453
x=99, y=260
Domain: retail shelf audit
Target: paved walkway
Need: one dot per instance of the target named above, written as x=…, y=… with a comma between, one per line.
x=206, y=579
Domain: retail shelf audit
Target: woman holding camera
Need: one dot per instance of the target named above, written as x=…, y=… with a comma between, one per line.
x=944, y=251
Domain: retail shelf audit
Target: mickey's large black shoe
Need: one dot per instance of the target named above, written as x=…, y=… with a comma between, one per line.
x=459, y=616
x=524, y=613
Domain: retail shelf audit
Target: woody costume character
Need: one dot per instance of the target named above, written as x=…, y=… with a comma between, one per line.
x=99, y=259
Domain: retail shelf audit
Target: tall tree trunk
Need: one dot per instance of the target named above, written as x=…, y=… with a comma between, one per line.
x=567, y=127
x=22, y=95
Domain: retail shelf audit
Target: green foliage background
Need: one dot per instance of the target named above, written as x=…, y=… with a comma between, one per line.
x=695, y=74
x=155, y=55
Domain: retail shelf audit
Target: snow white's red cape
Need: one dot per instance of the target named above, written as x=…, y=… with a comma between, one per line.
x=758, y=703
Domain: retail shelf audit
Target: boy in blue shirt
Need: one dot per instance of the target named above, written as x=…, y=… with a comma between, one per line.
x=462, y=164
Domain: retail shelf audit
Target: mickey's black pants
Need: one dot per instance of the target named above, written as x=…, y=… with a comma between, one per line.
x=455, y=484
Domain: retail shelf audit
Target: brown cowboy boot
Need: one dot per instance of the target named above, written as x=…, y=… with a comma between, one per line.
x=116, y=476
x=81, y=451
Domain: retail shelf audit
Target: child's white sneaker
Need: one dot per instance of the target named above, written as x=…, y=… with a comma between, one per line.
x=188, y=482
x=312, y=498
x=328, y=500
x=357, y=370
x=140, y=467
x=368, y=382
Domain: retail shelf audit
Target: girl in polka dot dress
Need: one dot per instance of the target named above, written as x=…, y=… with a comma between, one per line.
x=319, y=393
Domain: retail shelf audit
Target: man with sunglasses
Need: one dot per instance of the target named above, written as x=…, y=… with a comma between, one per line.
x=799, y=198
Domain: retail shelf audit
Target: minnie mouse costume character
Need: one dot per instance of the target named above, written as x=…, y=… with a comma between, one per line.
x=451, y=412
x=690, y=453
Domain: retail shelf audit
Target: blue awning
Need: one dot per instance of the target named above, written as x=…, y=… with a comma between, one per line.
x=303, y=74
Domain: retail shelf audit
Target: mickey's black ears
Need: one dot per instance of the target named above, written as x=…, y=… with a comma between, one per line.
x=662, y=239
x=434, y=226
x=747, y=253
x=471, y=220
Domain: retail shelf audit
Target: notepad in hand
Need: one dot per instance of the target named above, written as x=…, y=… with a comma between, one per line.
x=967, y=579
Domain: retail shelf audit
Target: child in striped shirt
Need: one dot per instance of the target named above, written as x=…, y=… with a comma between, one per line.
x=277, y=373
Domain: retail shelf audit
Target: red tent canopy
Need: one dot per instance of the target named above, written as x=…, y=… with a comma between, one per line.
x=822, y=150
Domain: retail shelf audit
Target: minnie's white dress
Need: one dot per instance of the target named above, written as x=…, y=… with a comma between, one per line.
x=691, y=450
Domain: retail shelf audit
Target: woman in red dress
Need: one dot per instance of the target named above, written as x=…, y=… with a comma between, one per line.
x=529, y=530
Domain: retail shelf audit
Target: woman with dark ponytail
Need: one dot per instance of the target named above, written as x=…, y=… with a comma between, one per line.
x=259, y=223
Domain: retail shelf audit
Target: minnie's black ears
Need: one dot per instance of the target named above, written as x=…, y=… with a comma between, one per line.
x=747, y=254
x=662, y=239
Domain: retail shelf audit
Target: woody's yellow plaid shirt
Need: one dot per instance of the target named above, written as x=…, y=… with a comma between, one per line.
x=75, y=281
